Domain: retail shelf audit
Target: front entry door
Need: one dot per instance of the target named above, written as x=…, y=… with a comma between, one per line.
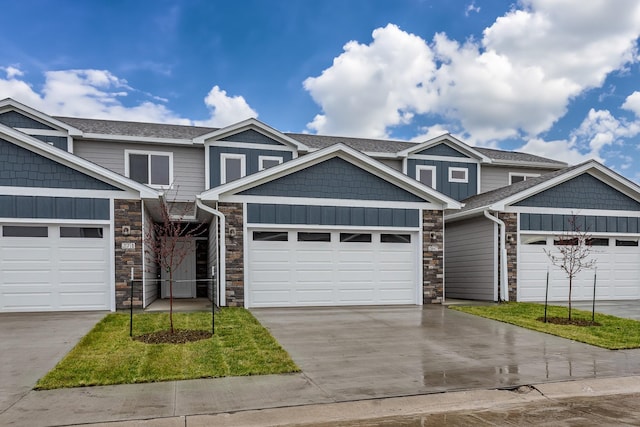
x=184, y=274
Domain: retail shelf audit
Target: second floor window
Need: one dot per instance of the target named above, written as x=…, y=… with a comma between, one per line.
x=153, y=168
x=426, y=175
x=458, y=175
x=232, y=167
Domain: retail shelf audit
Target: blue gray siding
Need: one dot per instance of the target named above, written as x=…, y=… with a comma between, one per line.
x=334, y=179
x=16, y=120
x=251, y=160
x=57, y=141
x=588, y=223
x=442, y=150
x=331, y=215
x=23, y=168
x=582, y=192
x=251, y=136
x=455, y=190
x=53, y=207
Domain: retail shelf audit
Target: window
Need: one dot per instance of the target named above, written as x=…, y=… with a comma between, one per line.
x=597, y=242
x=458, y=175
x=534, y=240
x=626, y=242
x=232, y=167
x=517, y=177
x=24, y=231
x=426, y=175
x=151, y=168
x=395, y=238
x=266, y=162
x=81, y=232
x=270, y=236
x=355, y=237
x=314, y=237
x=565, y=242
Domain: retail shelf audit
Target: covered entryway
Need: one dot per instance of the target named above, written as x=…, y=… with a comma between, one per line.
x=46, y=267
x=310, y=267
x=617, y=260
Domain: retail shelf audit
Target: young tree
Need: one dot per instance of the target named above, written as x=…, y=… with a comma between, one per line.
x=573, y=252
x=169, y=241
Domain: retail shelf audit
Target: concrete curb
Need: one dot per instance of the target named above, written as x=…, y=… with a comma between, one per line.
x=474, y=400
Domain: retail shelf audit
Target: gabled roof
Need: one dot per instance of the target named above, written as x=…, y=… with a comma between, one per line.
x=361, y=144
x=498, y=199
x=515, y=158
x=342, y=151
x=255, y=125
x=35, y=145
x=9, y=104
x=449, y=140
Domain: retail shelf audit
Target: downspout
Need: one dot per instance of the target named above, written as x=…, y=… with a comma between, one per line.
x=221, y=250
x=504, y=280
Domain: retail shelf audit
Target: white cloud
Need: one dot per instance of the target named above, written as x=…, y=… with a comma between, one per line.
x=471, y=7
x=632, y=103
x=12, y=71
x=563, y=150
x=225, y=110
x=517, y=81
x=430, y=132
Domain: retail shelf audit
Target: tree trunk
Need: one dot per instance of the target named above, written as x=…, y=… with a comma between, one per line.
x=570, y=288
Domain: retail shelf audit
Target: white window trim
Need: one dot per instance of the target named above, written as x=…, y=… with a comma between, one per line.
x=223, y=165
x=261, y=160
x=525, y=175
x=420, y=168
x=454, y=169
x=168, y=154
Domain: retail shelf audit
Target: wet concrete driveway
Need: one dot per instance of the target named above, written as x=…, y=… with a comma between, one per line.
x=355, y=353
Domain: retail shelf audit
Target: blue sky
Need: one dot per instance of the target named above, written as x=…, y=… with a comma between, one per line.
x=557, y=78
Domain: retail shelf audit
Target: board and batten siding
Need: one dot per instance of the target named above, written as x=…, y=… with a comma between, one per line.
x=150, y=265
x=188, y=162
x=492, y=177
x=471, y=256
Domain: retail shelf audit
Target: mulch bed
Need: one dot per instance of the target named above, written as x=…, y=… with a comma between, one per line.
x=179, y=336
x=565, y=321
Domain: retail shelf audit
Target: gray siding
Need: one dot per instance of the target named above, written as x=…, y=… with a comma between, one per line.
x=588, y=223
x=582, y=192
x=331, y=215
x=492, y=177
x=151, y=267
x=470, y=258
x=392, y=163
x=334, y=179
x=442, y=150
x=188, y=163
x=251, y=160
x=253, y=137
x=53, y=207
x=57, y=141
x=16, y=120
x=455, y=190
x=23, y=168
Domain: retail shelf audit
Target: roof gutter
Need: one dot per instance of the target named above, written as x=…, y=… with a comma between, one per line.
x=503, y=256
x=221, y=258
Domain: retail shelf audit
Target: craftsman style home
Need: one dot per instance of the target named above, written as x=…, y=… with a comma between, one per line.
x=288, y=219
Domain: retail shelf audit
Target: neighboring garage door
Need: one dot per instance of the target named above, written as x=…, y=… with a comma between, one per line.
x=326, y=268
x=617, y=260
x=54, y=268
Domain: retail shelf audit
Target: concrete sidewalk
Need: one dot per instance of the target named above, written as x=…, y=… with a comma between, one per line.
x=593, y=402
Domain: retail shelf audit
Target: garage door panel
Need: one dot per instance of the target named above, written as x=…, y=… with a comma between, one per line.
x=618, y=274
x=336, y=273
x=53, y=273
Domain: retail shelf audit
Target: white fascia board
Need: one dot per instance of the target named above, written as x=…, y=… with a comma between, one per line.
x=138, y=139
x=256, y=125
x=68, y=192
x=445, y=138
x=457, y=216
x=75, y=162
x=532, y=165
x=317, y=201
x=8, y=104
x=338, y=150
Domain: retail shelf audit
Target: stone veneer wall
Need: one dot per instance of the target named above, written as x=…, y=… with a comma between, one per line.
x=511, y=231
x=128, y=213
x=233, y=213
x=432, y=256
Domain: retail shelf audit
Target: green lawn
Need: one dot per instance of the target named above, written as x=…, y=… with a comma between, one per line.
x=107, y=355
x=614, y=333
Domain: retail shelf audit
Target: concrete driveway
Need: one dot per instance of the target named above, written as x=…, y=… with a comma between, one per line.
x=356, y=353
x=629, y=309
x=32, y=343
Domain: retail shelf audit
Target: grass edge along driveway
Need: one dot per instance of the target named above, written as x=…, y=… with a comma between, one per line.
x=614, y=333
x=107, y=355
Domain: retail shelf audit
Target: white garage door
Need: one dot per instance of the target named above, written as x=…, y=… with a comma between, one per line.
x=618, y=274
x=326, y=268
x=54, y=268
